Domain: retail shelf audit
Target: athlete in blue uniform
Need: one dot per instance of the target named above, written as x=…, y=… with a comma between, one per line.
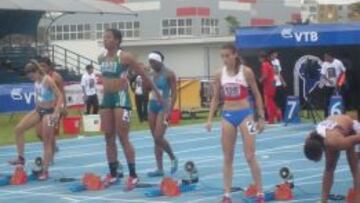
x=49, y=102
x=159, y=112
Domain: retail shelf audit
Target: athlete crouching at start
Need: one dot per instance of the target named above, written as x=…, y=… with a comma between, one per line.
x=49, y=102
x=331, y=136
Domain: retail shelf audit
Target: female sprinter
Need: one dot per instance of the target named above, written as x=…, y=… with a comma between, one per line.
x=234, y=79
x=333, y=135
x=49, y=102
x=49, y=69
x=116, y=105
x=158, y=114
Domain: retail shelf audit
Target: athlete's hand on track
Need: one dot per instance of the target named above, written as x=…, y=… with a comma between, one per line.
x=208, y=126
x=260, y=125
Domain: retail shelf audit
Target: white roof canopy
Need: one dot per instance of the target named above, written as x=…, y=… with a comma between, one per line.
x=66, y=6
x=338, y=2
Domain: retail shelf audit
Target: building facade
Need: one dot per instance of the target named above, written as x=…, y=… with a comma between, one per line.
x=188, y=32
x=314, y=12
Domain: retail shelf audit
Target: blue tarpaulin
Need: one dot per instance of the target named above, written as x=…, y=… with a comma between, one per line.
x=298, y=36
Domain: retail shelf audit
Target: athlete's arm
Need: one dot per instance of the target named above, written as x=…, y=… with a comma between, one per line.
x=215, y=99
x=339, y=142
x=250, y=79
x=342, y=67
x=331, y=157
x=172, y=79
x=58, y=95
x=60, y=84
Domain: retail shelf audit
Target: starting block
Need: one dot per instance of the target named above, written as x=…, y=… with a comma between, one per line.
x=269, y=196
x=156, y=192
x=350, y=198
x=91, y=182
x=5, y=180
x=10, y=180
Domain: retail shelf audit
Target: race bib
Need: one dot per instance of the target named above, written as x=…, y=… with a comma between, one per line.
x=153, y=95
x=126, y=115
x=232, y=90
x=108, y=66
x=251, y=126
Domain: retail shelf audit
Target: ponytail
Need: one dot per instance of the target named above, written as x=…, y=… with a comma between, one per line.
x=34, y=66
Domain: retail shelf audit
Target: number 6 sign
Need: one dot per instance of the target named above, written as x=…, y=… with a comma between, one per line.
x=336, y=106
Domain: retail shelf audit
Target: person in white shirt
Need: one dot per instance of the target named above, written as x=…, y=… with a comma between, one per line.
x=280, y=97
x=88, y=84
x=141, y=98
x=331, y=69
x=141, y=91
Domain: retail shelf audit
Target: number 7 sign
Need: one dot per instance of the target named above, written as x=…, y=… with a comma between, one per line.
x=292, y=110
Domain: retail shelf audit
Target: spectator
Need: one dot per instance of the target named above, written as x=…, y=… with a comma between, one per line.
x=331, y=70
x=268, y=83
x=88, y=84
x=280, y=97
x=141, y=96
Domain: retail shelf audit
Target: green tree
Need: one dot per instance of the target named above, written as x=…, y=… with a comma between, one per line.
x=355, y=11
x=356, y=8
x=233, y=23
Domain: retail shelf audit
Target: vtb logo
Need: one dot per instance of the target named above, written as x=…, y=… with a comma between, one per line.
x=18, y=94
x=306, y=36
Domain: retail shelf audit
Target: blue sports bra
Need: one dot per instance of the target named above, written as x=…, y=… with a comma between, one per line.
x=43, y=93
x=161, y=82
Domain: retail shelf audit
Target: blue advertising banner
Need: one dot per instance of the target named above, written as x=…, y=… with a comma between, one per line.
x=17, y=97
x=298, y=35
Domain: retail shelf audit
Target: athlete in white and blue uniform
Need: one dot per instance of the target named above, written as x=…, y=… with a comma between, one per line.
x=49, y=102
x=233, y=80
x=331, y=136
x=49, y=69
x=159, y=112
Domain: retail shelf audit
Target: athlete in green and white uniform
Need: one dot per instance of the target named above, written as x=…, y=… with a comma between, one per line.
x=116, y=105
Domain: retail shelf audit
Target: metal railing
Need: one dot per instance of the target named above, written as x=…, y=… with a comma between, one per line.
x=67, y=59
